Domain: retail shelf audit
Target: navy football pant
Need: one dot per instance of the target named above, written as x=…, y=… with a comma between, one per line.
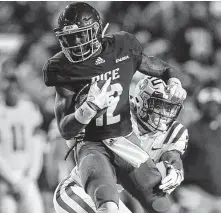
x=100, y=169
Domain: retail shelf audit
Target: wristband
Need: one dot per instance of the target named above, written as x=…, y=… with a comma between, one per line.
x=84, y=113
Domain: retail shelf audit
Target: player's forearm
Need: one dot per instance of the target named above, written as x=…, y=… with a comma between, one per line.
x=173, y=157
x=74, y=123
x=156, y=67
x=70, y=127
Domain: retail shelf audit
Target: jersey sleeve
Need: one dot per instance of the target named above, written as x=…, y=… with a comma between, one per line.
x=180, y=142
x=129, y=43
x=50, y=73
x=136, y=49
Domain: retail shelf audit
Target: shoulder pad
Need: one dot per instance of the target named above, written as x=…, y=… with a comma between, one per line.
x=125, y=36
x=51, y=68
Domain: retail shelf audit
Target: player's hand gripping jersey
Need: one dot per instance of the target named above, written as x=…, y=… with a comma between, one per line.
x=119, y=60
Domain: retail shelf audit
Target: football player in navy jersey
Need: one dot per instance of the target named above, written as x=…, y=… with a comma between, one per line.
x=161, y=136
x=89, y=57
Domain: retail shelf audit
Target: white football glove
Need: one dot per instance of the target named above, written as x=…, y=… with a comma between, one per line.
x=176, y=91
x=98, y=98
x=173, y=179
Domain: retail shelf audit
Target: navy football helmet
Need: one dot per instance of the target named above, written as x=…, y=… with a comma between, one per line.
x=79, y=31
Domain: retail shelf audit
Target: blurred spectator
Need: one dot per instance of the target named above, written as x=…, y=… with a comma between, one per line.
x=55, y=167
x=34, y=20
x=21, y=150
x=202, y=187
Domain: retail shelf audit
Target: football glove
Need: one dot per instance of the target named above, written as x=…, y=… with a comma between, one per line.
x=173, y=179
x=99, y=98
x=176, y=91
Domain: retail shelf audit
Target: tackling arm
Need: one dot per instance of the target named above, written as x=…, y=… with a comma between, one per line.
x=176, y=149
x=173, y=157
x=173, y=162
x=156, y=67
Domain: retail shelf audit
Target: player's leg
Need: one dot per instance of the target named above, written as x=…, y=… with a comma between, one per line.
x=131, y=202
x=31, y=200
x=70, y=197
x=97, y=175
x=143, y=184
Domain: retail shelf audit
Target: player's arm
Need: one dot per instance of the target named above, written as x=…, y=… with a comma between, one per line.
x=150, y=65
x=153, y=66
x=174, y=171
x=70, y=124
x=177, y=148
x=172, y=159
x=156, y=67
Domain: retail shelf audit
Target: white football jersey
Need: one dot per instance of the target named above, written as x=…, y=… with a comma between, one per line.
x=16, y=130
x=155, y=144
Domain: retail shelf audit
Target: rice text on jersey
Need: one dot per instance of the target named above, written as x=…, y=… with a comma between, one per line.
x=113, y=74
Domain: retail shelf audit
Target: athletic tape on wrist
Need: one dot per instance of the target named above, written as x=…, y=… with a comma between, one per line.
x=84, y=113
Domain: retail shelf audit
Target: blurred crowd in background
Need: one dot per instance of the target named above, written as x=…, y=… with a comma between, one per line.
x=184, y=34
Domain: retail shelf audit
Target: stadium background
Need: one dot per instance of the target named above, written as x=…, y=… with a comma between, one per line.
x=185, y=34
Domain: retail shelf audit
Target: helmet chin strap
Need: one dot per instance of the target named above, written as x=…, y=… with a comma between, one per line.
x=104, y=30
x=143, y=128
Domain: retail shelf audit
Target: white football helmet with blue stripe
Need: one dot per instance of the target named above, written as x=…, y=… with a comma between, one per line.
x=154, y=110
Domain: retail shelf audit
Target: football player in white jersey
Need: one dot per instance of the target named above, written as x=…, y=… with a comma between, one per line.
x=154, y=122
x=162, y=137
x=21, y=152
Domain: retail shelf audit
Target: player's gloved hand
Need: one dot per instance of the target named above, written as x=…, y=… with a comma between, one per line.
x=176, y=91
x=98, y=98
x=173, y=179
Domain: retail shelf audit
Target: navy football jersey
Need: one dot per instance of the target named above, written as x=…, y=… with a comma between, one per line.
x=120, y=58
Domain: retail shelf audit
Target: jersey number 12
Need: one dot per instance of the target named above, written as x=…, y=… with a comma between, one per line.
x=110, y=118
